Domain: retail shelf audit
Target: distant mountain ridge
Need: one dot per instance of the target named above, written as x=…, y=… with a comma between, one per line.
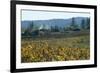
x=54, y=22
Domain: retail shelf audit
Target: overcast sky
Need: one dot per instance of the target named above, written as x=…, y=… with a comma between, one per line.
x=45, y=15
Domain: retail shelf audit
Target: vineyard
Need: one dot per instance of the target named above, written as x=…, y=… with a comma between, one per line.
x=55, y=49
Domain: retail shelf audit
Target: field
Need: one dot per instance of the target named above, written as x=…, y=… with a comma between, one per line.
x=64, y=48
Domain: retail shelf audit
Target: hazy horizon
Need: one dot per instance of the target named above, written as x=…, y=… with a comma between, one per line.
x=49, y=15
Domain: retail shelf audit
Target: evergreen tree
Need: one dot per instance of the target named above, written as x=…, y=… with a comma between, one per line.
x=31, y=27
x=88, y=23
x=83, y=24
x=73, y=26
x=56, y=28
x=29, y=30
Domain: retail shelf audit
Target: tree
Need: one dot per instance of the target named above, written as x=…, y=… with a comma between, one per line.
x=29, y=30
x=83, y=24
x=52, y=28
x=73, y=26
x=66, y=28
x=88, y=23
x=55, y=28
x=73, y=21
x=31, y=27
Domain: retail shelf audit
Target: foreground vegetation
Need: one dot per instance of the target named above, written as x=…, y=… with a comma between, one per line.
x=59, y=49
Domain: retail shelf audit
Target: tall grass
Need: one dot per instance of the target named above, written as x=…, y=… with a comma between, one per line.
x=60, y=49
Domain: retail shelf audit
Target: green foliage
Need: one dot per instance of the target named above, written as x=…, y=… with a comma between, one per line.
x=83, y=24
x=55, y=28
x=28, y=31
x=88, y=23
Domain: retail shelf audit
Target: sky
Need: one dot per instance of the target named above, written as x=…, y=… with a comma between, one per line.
x=45, y=15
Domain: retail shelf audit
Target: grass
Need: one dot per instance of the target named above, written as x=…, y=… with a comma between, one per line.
x=59, y=49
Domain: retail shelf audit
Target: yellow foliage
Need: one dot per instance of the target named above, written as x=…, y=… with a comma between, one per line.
x=55, y=50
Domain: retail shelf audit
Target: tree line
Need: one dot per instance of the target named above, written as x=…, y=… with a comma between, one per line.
x=85, y=25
